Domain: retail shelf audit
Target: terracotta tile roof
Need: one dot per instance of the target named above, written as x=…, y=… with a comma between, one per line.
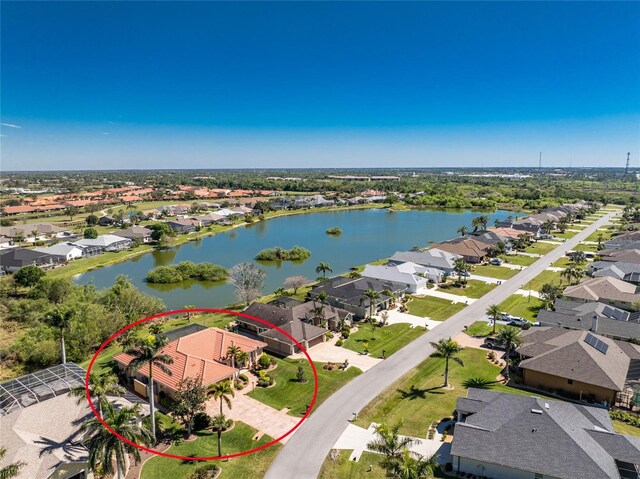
x=198, y=355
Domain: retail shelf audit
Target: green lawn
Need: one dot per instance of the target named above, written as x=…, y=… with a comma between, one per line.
x=624, y=428
x=481, y=329
x=473, y=289
x=564, y=262
x=519, y=260
x=565, y=235
x=240, y=438
x=294, y=395
x=343, y=468
x=591, y=248
x=499, y=272
x=540, y=248
x=418, y=399
x=434, y=308
x=388, y=338
x=606, y=235
x=521, y=306
x=545, y=277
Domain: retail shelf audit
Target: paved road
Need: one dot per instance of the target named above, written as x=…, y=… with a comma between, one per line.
x=303, y=455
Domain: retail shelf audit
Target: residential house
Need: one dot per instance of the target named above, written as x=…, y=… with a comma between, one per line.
x=412, y=275
x=496, y=240
x=472, y=250
x=595, y=317
x=11, y=260
x=102, y=244
x=621, y=255
x=605, y=290
x=306, y=322
x=106, y=220
x=140, y=233
x=577, y=364
x=509, y=436
x=212, y=218
x=33, y=232
x=629, y=272
x=313, y=201
x=432, y=258
x=202, y=354
x=186, y=225
x=630, y=240
x=349, y=294
x=66, y=251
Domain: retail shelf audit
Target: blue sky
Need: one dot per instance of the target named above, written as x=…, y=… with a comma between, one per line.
x=208, y=84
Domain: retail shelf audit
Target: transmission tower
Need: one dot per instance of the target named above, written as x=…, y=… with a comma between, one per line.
x=626, y=168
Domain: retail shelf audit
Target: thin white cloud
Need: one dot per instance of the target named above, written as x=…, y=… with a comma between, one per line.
x=105, y=132
x=10, y=125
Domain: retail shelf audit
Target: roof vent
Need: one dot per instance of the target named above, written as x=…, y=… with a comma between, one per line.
x=536, y=411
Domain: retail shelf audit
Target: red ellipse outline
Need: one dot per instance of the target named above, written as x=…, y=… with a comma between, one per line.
x=200, y=310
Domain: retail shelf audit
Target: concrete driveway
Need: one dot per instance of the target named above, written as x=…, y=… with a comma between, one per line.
x=328, y=352
x=396, y=317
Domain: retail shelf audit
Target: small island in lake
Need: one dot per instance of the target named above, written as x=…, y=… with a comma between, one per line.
x=335, y=231
x=186, y=270
x=296, y=253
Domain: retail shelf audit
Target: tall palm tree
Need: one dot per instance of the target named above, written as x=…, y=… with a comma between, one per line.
x=460, y=267
x=104, y=446
x=547, y=226
x=324, y=268
x=578, y=257
x=11, y=470
x=509, y=337
x=388, y=441
x=61, y=319
x=462, y=230
x=232, y=353
x=411, y=465
x=147, y=352
x=372, y=295
x=220, y=424
x=223, y=392
x=447, y=349
x=494, y=312
x=572, y=273
x=101, y=386
x=242, y=358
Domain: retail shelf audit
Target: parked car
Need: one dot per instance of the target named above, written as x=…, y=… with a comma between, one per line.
x=491, y=343
x=519, y=322
x=496, y=261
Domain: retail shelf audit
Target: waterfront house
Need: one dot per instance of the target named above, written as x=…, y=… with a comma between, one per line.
x=66, y=251
x=607, y=290
x=186, y=225
x=103, y=243
x=106, y=220
x=581, y=365
x=414, y=276
x=140, y=233
x=472, y=250
x=432, y=258
x=12, y=259
x=509, y=436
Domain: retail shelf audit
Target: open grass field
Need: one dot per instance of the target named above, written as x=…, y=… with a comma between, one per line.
x=473, y=289
x=434, y=308
x=519, y=260
x=288, y=392
x=522, y=306
x=499, y=272
x=418, y=398
x=238, y=439
x=388, y=338
x=540, y=248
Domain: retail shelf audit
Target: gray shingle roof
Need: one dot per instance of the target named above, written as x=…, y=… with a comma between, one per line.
x=433, y=257
x=351, y=291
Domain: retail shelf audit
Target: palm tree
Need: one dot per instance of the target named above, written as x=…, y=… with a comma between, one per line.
x=11, y=470
x=547, y=226
x=101, y=386
x=147, y=352
x=494, y=312
x=104, y=446
x=242, y=358
x=323, y=268
x=447, y=349
x=223, y=392
x=462, y=230
x=372, y=295
x=61, y=319
x=509, y=337
x=189, y=313
x=572, y=273
x=220, y=424
x=280, y=292
x=232, y=353
x=460, y=267
x=411, y=465
x=389, y=443
x=600, y=238
x=578, y=257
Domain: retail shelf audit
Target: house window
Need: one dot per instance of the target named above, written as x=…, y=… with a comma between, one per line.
x=570, y=381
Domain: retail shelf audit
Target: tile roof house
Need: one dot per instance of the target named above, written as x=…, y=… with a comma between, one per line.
x=578, y=364
x=605, y=290
x=349, y=293
x=202, y=354
x=507, y=436
x=595, y=317
x=414, y=276
x=472, y=250
x=302, y=321
x=433, y=257
x=629, y=272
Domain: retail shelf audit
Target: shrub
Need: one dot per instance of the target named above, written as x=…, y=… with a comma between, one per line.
x=335, y=231
x=345, y=334
x=187, y=270
x=201, y=421
x=243, y=377
x=205, y=472
x=264, y=361
x=300, y=375
x=329, y=335
x=339, y=342
x=90, y=233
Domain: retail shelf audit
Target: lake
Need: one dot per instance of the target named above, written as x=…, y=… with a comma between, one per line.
x=367, y=235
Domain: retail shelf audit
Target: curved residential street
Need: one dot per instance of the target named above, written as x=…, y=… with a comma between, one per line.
x=304, y=453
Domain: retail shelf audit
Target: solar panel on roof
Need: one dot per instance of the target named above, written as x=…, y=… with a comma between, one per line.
x=596, y=343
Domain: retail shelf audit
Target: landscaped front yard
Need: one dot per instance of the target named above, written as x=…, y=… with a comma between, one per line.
x=343, y=468
x=472, y=289
x=240, y=438
x=592, y=248
x=289, y=393
x=545, y=277
x=481, y=329
x=518, y=259
x=540, y=248
x=606, y=235
x=388, y=338
x=498, y=272
x=565, y=235
x=434, y=308
x=521, y=306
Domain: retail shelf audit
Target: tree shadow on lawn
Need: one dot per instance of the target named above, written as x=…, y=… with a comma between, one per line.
x=479, y=383
x=417, y=393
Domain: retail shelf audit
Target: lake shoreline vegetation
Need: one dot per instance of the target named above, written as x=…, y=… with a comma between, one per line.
x=297, y=253
x=186, y=270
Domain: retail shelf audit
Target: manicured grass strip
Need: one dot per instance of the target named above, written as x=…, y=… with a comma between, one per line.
x=519, y=260
x=591, y=248
x=522, y=306
x=240, y=438
x=472, y=289
x=482, y=328
x=600, y=236
x=545, y=277
x=388, y=338
x=499, y=272
x=566, y=234
x=418, y=399
x=434, y=308
x=627, y=429
x=343, y=468
x=540, y=248
x=288, y=392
